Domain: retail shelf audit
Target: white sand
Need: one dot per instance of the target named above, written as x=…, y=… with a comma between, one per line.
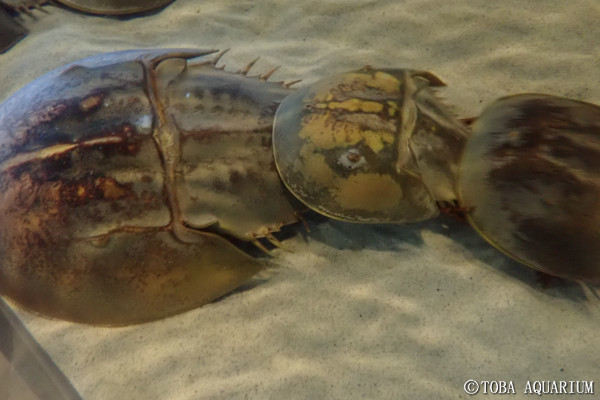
x=356, y=312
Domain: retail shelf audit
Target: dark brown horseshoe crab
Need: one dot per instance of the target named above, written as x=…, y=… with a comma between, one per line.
x=122, y=176
x=530, y=176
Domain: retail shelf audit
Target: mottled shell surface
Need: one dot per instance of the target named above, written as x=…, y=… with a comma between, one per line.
x=369, y=146
x=121, y=176
x=530, y=178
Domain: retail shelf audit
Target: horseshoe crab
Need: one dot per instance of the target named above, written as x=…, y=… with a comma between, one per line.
x=100, y=7
x=115, y=7
x=11, y=31
x=369, y=146
x=530, y=177
x=124, y=175
x=377, y=146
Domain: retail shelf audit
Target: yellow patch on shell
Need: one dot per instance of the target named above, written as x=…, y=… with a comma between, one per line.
x=354, y=105
x=386, y=82
x=313, y=164
x=326, y=128
x=377, y=140
x=357, y=192
x=392, y=108
x=326, y=132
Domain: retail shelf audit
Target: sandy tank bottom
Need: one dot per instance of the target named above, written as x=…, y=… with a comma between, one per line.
x=355, y=311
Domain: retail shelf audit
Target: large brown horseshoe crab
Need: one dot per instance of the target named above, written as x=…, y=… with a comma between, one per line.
x=125, y=177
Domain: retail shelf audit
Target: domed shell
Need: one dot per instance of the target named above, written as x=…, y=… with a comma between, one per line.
x=125, y=177
x=374, y=145
x=530, y=177
x=115, y=7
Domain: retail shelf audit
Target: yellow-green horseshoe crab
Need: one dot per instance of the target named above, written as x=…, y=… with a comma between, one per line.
x=370, y=146
x=376, y=146
x=125, y=178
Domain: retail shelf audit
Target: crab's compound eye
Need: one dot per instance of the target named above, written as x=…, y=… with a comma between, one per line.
x=351, y=159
